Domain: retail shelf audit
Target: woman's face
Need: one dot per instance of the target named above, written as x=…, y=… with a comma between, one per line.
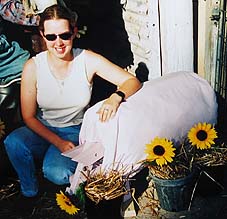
x=58, y=38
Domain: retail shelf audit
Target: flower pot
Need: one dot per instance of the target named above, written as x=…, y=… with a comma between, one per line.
x=104, y=209
x=175, y=195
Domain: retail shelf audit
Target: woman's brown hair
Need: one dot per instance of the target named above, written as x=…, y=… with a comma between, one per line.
x=58, y=12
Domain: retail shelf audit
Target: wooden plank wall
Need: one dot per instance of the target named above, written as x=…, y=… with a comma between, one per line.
x=161, y=34
x=142, y=25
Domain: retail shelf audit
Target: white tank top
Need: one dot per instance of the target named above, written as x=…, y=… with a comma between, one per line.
x=62, y=103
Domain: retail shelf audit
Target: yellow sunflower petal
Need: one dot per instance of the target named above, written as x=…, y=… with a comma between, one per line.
x=208, y=144
x=203, y=126
x=161, y=161
x=169, y=159
x=207, y=127
x=200, y=125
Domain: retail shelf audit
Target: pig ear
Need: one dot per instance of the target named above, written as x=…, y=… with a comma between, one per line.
x=41, y=33
x=76, y=33
x=75, y=29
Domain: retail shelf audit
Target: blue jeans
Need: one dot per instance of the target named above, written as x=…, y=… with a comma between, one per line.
x=24, y=147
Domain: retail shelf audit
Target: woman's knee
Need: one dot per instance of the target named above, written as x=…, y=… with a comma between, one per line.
x=57, y=175
x=57, y=168
x=13, y=142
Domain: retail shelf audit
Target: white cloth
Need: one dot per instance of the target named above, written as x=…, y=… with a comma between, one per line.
x=166, y=107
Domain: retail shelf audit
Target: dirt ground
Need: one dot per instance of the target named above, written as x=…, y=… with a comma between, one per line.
x=209, y=202
x=46, y=207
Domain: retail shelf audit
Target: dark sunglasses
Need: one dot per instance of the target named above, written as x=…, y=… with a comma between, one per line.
x=63, y=36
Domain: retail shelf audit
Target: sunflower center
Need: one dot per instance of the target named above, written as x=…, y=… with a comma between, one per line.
x=201, y=135
x=159, y=150
x=68, y=203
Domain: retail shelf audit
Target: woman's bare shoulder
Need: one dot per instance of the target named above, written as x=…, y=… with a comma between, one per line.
x=29, y=69
x=92, y=55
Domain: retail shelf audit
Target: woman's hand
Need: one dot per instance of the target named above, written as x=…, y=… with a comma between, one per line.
x=64, y=145
x=109, y=107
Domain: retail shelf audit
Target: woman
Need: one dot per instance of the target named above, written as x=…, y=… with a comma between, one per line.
x=55, y=92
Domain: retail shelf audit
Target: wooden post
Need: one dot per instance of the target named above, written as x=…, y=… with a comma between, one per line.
x=176, y=33
x=207, y=39
x=154, y=55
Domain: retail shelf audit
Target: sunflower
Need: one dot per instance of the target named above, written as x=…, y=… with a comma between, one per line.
x=65, y=204
x=202, y=135
x=161, y=150
x=2, y=128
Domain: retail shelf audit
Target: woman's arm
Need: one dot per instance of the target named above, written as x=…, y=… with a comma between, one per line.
x=127, y=83
x=29, y=108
